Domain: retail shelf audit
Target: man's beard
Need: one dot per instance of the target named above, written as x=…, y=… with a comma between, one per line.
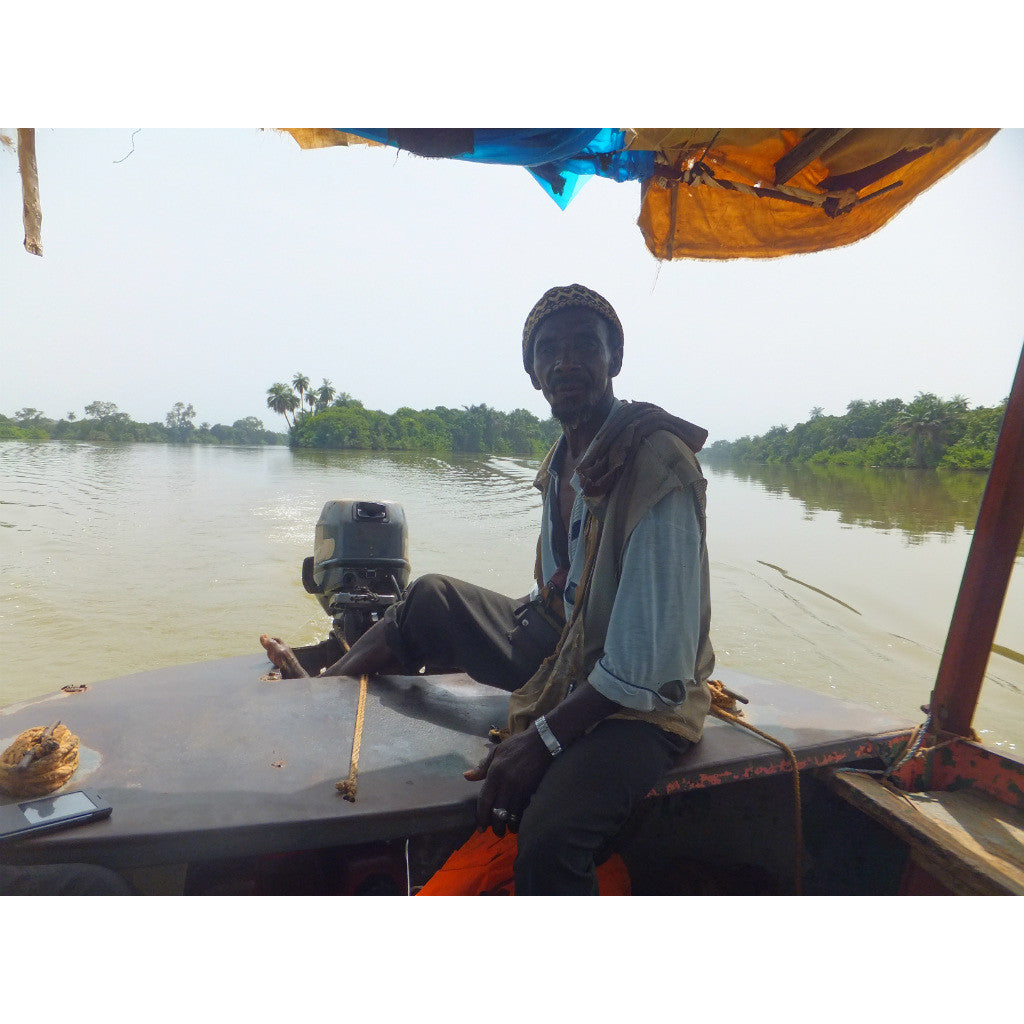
x=572, y=411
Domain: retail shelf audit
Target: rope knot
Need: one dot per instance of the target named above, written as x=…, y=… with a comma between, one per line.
x=724, y=699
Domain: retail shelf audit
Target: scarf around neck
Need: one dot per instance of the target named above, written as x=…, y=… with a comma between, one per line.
x=620, y=438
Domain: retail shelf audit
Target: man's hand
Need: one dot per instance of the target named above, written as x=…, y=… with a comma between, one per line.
x=283, y=657
x=511, y=772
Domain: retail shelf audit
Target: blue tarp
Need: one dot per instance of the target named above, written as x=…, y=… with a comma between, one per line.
x=560, y=159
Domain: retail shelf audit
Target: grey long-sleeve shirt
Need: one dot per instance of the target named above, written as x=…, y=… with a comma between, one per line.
x=654, y=629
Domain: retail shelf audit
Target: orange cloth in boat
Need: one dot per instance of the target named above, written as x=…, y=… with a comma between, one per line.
x=482, y=866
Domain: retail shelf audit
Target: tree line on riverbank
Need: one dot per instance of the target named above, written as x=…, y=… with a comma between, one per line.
x=315, y=417
x=103, y=421
x=322, y=418
x=926, y=433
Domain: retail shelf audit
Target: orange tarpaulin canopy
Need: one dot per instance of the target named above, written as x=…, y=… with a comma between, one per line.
x=769, y=192
x=723, y=193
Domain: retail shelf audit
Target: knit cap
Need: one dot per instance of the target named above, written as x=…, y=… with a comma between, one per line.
x=572, y=296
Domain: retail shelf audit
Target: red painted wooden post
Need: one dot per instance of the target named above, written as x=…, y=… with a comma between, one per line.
x=986, y=575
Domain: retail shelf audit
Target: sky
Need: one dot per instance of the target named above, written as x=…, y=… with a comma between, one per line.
x=203, y=265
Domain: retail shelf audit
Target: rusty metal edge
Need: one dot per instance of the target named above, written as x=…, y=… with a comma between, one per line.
x=884, y=747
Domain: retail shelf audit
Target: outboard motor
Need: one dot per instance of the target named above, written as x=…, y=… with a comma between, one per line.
x=360, y=563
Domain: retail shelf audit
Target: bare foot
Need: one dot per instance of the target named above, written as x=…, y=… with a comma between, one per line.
x=283, y=657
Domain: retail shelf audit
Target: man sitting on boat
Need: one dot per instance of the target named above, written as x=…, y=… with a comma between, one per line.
x=608, y=663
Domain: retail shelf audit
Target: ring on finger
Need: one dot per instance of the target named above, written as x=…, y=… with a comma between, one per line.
x=499, y=813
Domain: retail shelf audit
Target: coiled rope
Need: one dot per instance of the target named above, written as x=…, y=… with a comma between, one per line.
x=39, y=761
x=724, y=707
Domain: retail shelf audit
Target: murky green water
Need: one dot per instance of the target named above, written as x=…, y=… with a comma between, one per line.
x=119, y=559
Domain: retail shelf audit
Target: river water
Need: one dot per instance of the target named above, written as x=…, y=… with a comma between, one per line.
x=118, y=559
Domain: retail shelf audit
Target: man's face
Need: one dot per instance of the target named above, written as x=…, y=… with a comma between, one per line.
x=572, y=360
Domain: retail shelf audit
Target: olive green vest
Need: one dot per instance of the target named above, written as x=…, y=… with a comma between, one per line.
x=662, y=464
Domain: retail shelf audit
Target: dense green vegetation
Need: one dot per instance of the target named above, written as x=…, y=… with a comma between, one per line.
x=341, y=421
x=104, y=422
x=927, y=433
x=316, y=418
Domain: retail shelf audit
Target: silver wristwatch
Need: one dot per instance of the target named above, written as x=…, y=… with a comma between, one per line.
x=549, y=738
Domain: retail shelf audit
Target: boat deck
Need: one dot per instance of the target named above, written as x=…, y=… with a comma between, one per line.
x=215, y=760
x=965, y=840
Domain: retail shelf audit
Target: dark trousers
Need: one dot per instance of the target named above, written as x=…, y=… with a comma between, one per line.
x=584, y=799
x=448, y=625
x=590, y=789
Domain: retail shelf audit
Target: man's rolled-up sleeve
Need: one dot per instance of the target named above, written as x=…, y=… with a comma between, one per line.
x=651, y=646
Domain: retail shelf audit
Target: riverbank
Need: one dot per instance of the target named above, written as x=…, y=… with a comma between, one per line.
x=339, y=424
x=927, y=433
x=107, y=424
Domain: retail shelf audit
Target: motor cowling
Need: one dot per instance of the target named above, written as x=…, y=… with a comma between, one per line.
x=360, y=563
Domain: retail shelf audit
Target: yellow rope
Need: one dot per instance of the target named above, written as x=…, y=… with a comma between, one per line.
x=722, y=703
x=347, y=787
x=39, y=761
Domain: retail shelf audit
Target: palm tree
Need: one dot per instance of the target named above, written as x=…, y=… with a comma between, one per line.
x=324, y=395
x=926, y=421
x=301, y=384
x=282, y=400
